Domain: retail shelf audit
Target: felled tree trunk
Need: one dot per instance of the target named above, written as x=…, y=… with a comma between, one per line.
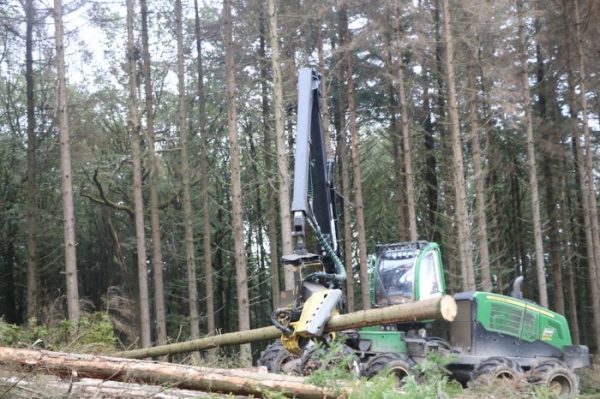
x=436, y=308
x=36, y=385
x=235, y=382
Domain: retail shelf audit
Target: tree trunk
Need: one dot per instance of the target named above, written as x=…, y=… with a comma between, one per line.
x=282, y=160
x=436, y=308
x=185, y=173
x=181, y=376
x=588, y=191
x=342, y=150
x=514, y=241
x=324, y=87
x=447, y=193
x=549, y=136
x=358, y=199
x=32, y=191
x=410, y=194
x=134, y=130
x=67, y=174
x=431, y=180
x=268, y=158
x=157, y=262
x=462, y=214
x=492, y=175
x=582, y=215
x=569, y=260
x=399, y=172
x=255, y=240
x=484, y=253
x=398, y=169
x=206, y=235
x=236, y=185
x=531, y=164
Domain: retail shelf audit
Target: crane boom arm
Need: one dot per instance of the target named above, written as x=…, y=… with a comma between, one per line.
x=314, y=191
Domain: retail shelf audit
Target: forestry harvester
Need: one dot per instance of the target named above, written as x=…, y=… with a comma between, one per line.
x=491, y=336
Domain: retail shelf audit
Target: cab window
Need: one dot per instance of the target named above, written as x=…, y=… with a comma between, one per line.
x=398, y=276
x=429, y=279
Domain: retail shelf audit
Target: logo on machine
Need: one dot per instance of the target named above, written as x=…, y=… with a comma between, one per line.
x=547, y=334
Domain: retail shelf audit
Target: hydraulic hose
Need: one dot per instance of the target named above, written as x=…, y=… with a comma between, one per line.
x=340, y=269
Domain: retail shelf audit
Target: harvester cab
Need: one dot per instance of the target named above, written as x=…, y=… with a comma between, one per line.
x=406, y=272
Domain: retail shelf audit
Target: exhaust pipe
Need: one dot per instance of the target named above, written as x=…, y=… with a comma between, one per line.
x=516, y=292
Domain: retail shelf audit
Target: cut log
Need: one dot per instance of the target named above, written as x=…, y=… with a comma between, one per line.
x=443, y=308
x=235, y=382
x=36, y=385
x=430, y=309
x=211, y=342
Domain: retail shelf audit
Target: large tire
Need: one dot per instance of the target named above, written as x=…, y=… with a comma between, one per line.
x=399, y=364
x=497, y=368
x=560, y=379
x=278, y=360
x=322, y=358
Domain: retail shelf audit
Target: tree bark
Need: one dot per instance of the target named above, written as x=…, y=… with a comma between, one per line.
x=431, y=179
x=67, y=174
x=410, y=194
x=32, y=190
x=399, y=185
x=531, y=164
x=236, y=186
x=462, y=214
x=268, y=158
x=282, y=160
x=436, y=308
x=548, y=163
x=206, y=234
x=358, y=198
x=134, y=130
x=588, y=191
x=447, y=193
x=484, y=253
x=582, y=231
x=569, y=260
x=235, y=382
x=342, y=150
x=157, y=262
x=491, y=148
x=324, y=89
x=188, y=215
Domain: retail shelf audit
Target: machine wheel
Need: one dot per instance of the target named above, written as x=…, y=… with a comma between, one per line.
x=322, y=358
x=497, y=368
x=278, y=360
x=557, y=376
x=398, y=363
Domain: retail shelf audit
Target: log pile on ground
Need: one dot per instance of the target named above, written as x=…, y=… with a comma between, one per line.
x=14, y=384
x=72, y=368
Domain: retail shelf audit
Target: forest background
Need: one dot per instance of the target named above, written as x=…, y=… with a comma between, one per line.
x=146, y=152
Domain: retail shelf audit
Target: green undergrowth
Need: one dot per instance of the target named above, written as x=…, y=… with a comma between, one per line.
x=431, y=381
x=93, y=333
x=335, y=367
